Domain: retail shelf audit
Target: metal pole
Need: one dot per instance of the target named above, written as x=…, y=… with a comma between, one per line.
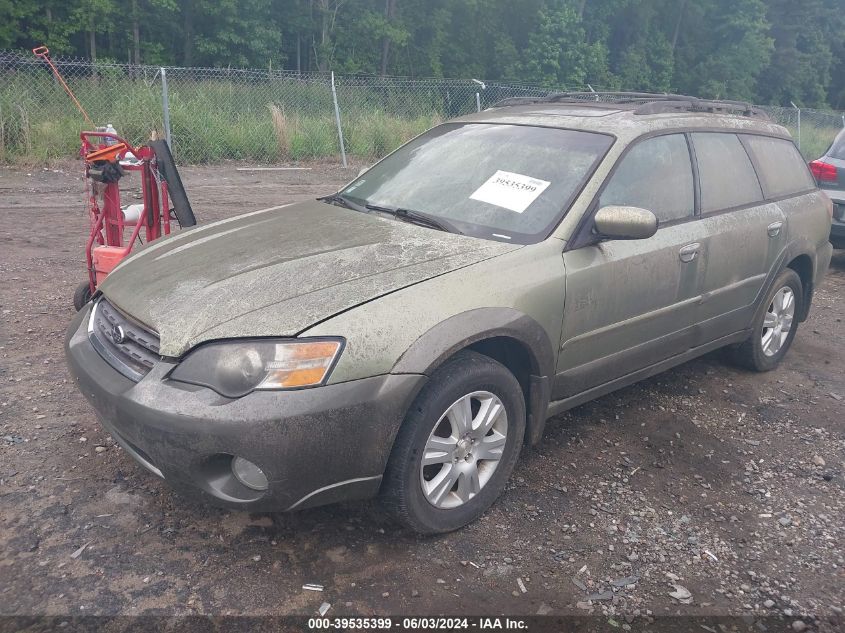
x=165, y=106
x=477, y=95
x=337, y=119
x=799, y=122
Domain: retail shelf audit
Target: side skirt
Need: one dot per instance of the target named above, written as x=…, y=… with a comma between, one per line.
x=559, y=406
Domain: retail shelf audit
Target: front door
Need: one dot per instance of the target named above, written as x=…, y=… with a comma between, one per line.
x=630, y=304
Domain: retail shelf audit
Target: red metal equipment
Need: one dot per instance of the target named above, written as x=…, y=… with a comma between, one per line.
x=107, y=158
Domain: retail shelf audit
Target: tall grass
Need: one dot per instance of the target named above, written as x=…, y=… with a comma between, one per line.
x=814, y=140
x=270, y=120
x=255, y=117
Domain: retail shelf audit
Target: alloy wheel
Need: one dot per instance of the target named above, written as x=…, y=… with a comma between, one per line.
x=464, y=449
x=777, y=323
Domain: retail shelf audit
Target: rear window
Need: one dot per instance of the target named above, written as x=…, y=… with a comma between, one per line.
x=837, y=150
x=783, y=171
x=726, y=173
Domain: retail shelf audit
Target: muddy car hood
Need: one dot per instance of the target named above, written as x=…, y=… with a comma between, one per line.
x=278, y=271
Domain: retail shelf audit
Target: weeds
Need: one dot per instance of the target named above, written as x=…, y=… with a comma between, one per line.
x=260, y=119
x=211, y=120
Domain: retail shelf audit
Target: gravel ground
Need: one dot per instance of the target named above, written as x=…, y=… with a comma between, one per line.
x=705, y=490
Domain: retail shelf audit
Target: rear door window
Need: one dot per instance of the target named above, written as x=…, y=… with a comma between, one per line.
x=655, y=174
x=782, y=169
x=725, y=172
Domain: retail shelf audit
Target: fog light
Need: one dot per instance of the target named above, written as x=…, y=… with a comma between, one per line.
x=249, y=474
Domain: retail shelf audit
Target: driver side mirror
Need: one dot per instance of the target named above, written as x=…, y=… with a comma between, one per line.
x=625, y=223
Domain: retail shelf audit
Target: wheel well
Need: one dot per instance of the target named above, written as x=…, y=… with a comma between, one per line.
x=803, y=265
x=512, y=354
x=519, y=360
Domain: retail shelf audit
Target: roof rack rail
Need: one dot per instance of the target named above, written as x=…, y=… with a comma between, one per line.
x=644, y=102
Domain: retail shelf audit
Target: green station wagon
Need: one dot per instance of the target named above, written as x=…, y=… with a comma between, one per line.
x=406, y=336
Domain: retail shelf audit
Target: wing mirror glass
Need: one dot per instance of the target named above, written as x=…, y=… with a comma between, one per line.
x=625, y=223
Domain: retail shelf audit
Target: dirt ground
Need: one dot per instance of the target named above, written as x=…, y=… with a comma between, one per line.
x=726, y=483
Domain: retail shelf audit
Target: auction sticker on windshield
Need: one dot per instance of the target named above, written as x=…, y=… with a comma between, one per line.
x=510, y=191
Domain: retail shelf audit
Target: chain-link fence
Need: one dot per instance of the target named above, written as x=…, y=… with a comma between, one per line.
x=263, y=116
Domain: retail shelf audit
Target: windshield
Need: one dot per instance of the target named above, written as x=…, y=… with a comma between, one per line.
x=502, y=182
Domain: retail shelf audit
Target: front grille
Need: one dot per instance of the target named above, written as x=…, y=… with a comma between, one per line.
x=124, y=344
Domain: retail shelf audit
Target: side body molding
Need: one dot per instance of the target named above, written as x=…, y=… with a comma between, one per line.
x=473, y=326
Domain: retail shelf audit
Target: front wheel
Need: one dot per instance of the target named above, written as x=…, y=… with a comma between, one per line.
x=81, y=295
x=774, y=329
x=457, y=446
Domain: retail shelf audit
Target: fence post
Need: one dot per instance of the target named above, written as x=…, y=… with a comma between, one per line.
x=337, y=119
x=165, y=107
x=799, y=122
x=478, y=94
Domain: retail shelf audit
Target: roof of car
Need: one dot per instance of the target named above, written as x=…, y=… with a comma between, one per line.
x=630, y=115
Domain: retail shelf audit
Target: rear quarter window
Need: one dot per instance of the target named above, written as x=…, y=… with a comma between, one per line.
x=837, y=148
x=781, y=167
x=726, y=173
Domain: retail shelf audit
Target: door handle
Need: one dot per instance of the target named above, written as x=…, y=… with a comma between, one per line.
x=688, y=252
x=774, y=229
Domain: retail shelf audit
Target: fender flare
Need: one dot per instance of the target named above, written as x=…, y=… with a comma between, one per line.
x=458, y=332
x=800, y=248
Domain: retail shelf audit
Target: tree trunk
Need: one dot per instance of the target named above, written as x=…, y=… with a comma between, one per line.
x=136, y=35
x=389, y=10
x=310, y=64
x=581, y=5
x=188, y=50
x=322, y=62
x=681, y=8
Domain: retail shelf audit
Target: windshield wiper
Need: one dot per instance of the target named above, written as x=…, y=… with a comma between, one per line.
x=338, y=199
x=416, y=217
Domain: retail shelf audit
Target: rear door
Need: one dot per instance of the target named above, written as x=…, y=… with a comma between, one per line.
x=630, y=304
x=745, y=234
x=787, y=182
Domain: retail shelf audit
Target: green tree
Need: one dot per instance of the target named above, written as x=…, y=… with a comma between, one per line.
x=556, y=55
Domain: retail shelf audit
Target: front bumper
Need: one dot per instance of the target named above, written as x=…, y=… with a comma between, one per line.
x=316, y=446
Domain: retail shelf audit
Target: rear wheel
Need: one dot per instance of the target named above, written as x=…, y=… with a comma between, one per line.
x=457, y=446
x=774, y=329
x=81, y=295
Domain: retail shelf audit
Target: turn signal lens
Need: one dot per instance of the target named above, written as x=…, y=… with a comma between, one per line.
x=299, y=364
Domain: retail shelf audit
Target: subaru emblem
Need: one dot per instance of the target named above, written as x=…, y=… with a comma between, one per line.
x=118, y=335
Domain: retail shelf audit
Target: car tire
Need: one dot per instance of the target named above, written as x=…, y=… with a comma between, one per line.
x=458, y=485
x=774, y=327
x=81, y=295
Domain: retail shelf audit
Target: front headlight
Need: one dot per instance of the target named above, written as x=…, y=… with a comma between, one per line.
x=234, y=368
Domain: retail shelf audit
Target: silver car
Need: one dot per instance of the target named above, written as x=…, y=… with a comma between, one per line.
x=829, y=172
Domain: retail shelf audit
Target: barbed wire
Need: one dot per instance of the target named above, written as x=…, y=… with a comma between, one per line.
x=262, y=115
